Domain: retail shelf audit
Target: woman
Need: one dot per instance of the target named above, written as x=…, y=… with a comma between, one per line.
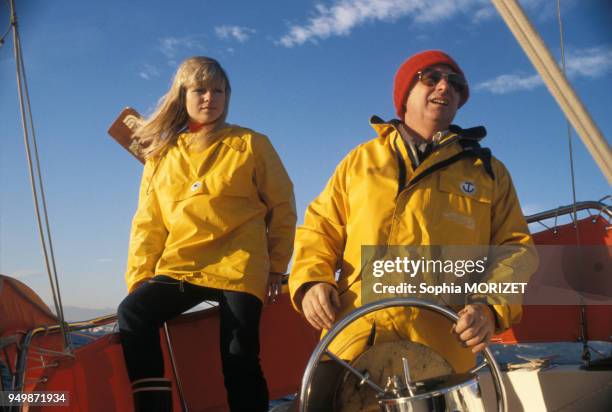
x=215, y=221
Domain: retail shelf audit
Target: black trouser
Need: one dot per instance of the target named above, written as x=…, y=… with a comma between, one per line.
x=142, y=313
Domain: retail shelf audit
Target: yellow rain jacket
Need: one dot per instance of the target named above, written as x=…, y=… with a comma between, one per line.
x=222, y=217
x=360, y=206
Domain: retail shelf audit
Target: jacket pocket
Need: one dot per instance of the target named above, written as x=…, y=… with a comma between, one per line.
x=184, y=190
x=466, y=188
x=464, y=203
x=214, y=185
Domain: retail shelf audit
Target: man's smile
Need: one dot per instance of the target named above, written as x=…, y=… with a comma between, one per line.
x=436, y=100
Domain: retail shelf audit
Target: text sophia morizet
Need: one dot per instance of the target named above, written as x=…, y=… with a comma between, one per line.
x=451, y=288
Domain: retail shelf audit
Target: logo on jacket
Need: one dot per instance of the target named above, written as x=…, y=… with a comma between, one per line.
x=196, y=186
x=468, y=187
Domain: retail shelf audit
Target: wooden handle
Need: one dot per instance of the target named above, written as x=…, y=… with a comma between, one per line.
x=122, y=130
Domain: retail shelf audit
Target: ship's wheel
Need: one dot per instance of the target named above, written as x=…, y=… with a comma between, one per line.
x=394, y=376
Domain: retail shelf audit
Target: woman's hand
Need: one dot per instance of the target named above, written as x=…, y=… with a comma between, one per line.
x=275, y=285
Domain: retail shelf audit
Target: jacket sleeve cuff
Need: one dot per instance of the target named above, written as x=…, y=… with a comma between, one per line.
x=504, y=317
x=297, y=284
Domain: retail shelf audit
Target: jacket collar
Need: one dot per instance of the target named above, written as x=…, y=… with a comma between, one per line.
x=454, y=132
x=232, y=140
x=384, y=128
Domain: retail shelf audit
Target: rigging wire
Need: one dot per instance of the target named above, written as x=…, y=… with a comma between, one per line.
x=2, y=38
x=36, y=182
x=569, y=127
x=586, y=349
x=8, y=29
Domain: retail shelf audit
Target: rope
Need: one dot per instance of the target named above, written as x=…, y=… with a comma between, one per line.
x=42, y=194
x=36, y=182
x=569, y=128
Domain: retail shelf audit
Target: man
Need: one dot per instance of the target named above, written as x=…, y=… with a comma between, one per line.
x=422, y=181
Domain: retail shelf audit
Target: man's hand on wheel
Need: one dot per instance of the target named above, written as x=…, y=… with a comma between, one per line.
x=320, y=305
x=475, y=326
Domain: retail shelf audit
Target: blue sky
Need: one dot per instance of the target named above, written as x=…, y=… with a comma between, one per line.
x=307, y=74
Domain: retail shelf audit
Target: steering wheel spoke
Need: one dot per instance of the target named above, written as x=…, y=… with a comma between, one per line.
x=363, y=377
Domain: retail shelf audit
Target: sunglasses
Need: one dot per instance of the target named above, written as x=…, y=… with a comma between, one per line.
x=431, y=77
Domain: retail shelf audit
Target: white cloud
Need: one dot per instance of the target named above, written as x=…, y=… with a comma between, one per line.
x=342, y=16
x=148, y=72
x=545, y=9
x=238, y=33
x=507, y=83
x=168, y=46
x=593, y=62
x=485, y=13
x=172, y=46
x=432, y=12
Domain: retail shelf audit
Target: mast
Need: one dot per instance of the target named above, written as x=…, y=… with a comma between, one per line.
x=534, y=47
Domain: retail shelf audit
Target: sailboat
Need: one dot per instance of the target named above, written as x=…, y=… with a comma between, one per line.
x=48, y=363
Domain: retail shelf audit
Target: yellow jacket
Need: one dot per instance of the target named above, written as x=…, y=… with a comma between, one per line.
x=222, y=217
x=360, y=206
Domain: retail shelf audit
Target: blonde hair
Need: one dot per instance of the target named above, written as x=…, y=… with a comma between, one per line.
x=162, y=128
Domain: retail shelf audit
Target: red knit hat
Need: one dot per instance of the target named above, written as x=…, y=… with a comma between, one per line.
x=406, y=74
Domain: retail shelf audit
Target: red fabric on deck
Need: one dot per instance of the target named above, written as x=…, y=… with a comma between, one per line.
x=561, y=323
x=286, y=344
